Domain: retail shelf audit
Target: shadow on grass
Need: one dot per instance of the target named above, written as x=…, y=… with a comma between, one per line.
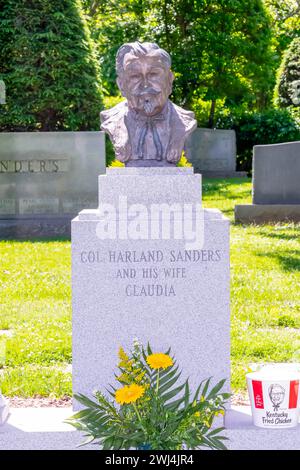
x=36, y=240
x=225, y=191
x=288, y=262
x=280, y=236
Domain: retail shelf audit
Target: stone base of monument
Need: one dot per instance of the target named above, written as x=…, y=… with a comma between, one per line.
x=32, y=228
x=267, y=213
x=44, y=429
x=4, y=410
x=156, y=289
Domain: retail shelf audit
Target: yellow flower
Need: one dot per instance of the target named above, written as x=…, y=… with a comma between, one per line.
x=122, y=355
x=123, y=378
x=125, y=362
x=197, y=414
x=129, y=394
x=140, y=377
x=159, y=361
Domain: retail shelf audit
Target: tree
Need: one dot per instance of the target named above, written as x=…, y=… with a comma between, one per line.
x=113, y=23
x=287, y=90
x=285, y=22
x=220, y=49
x=49, y=66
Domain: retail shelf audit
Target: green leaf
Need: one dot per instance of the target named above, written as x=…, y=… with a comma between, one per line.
x=168, y=376
x=186, y=394
x=198, y=390
x=168, y=385
x=174, y=405
x=164, y=372
x=216, y=389
x=168, y=396
x=215, y=431
x=206, y=385
x=218, y=444
x=87, y=441
x=84, y=400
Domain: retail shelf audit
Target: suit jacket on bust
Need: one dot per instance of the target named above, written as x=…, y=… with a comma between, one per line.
x=125, y=126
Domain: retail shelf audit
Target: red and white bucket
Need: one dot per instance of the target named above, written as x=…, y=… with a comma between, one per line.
x=274, y=396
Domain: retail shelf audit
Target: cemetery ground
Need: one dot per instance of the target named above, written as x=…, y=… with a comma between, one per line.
x=35, y=305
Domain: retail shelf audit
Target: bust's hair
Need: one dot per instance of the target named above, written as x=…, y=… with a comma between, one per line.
x=140, y=49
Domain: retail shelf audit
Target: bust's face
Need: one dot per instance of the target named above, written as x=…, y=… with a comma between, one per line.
x=146, y=83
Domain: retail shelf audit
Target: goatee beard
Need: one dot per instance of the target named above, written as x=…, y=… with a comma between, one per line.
x=146, y=103
x=149, y=106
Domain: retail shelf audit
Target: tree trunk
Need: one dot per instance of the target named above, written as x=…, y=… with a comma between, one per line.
x=211, y=119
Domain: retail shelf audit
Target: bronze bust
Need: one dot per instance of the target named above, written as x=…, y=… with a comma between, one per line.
x=146, y=129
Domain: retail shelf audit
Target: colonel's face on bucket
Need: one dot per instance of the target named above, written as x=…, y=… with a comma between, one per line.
x=276, y=394
x=146, y=83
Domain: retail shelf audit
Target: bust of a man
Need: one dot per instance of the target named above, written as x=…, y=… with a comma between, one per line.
x=146, y=129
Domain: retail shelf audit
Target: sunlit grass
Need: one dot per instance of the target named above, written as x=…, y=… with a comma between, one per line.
x=265, y=284
x=35, y=306
x=36, y=310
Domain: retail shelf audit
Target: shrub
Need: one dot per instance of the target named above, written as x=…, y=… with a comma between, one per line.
x=269, y=127
x=287, y=89
x=48, y=64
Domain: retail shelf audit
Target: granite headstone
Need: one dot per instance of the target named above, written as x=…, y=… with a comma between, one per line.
x=212, y=152
x=46, y=178
x=276, y=187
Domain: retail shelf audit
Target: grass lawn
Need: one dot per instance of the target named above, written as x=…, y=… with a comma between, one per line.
x=35, y=305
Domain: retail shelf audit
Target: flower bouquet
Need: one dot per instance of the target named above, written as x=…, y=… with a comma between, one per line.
x=150, y=410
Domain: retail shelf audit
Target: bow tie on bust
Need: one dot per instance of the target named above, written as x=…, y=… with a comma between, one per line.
x=149, y=125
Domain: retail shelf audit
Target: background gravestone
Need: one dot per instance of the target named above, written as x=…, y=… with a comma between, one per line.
x=276, y=185
x=212, y=152
x=45, y=179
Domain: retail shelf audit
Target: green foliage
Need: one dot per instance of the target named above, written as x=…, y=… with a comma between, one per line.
x=220, y=50
x=287, y=91
x=49, y=66
x=112, y=23
x=287, y=321
x=269, y=127
x=166, y=417
x=285, y=23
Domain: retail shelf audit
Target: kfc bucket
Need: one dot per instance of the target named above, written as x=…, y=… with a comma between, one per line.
x=273, y=393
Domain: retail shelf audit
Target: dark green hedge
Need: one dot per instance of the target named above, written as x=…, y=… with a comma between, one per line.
x=270, y=127
x=49, y=66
